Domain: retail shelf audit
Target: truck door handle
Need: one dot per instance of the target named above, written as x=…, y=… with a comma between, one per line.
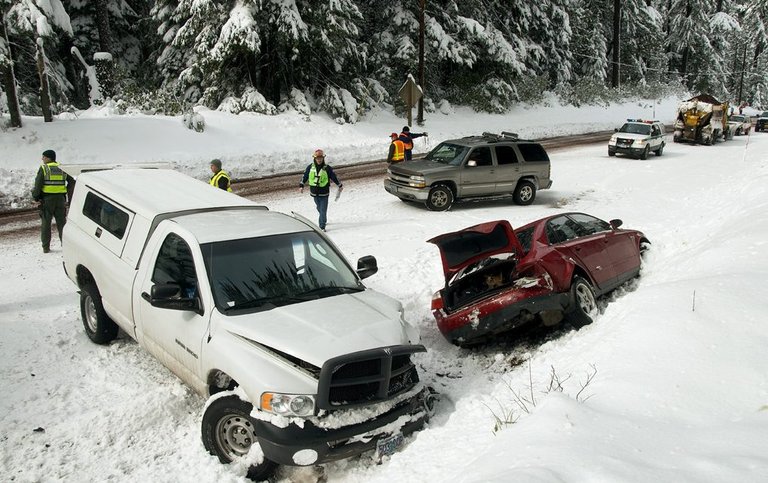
x=98, y=232
x=146, y=296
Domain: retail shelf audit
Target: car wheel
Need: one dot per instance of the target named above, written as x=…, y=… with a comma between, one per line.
x=584, y=304
x=525, y=193
x=228, y=432
x=98, y=326
x=611, y=153
x=644, y=154
x=440, y=198
x=660, y=150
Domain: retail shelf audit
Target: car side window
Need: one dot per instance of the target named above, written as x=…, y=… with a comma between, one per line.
x=105, y=214
x=655, y=131
x=505, y=155
x=175, y=264
x=532, y=152
x=482, y=156
x=562, y=229
x=589, y=225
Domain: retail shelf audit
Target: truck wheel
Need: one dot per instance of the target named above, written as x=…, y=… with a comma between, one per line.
x=98, y=326
x=525, y=193
x=584, y=305
x=660, y=150
x=644, y=154
x=440, y=198
x=228, y=432
x=611, y=153
x=675, y=138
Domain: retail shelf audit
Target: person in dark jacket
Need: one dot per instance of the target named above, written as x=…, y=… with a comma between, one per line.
x=407, y=138
x=318, y=176
x=50, y=195
x=220, y=177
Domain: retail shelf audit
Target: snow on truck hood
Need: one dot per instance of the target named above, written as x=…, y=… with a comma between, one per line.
x=319, y=330
x=462, y=248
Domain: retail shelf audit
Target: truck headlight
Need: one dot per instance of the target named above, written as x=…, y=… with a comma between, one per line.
x=416, y=181
x=288, y=404
x=639, y=142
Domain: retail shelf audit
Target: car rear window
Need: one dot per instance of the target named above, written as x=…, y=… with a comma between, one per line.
x=105, y=214
x=533, y=152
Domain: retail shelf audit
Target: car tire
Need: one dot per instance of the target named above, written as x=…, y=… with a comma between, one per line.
x=525, y=193
x=583, y=302
x=611, y=153
x=97, y=324
x=440, y=198
x=644, y=154
x=228, y=432
x=660, y=150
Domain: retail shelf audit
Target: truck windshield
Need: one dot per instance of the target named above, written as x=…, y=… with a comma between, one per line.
x=256, y=274
x=447, y=153
x=636, y=128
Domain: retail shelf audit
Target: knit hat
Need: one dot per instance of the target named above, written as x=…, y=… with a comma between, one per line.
x=406, y=129
x=216, y=162
x=50, y=154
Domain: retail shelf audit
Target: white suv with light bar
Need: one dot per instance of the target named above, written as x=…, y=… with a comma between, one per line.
x=638, y=138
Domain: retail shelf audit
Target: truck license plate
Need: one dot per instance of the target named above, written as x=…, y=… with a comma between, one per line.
x=387, y=446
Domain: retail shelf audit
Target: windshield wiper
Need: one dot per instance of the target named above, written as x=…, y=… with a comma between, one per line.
x=275, y=300
x=330, y=291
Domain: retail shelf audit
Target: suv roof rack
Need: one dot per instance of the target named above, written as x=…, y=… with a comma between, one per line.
x=503, y=136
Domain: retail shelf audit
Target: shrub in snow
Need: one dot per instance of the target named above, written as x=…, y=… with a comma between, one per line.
x=194, y=121
x=253, y=101
x=370, y=94
x=429, y=104
x=531, y=89
x=230, y=104
x=445, y=107
x=495, y=95
x=296, y=101
x=339, y=103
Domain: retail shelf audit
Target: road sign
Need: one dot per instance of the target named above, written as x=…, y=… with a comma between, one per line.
x=410, y=92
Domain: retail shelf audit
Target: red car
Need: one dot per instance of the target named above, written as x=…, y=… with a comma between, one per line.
x=497, y=278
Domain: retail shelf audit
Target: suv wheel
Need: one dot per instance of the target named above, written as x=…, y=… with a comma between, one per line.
x=644, y=154
x=228, y=432
x=525, y=193
x=440, y=198
x=660, y=150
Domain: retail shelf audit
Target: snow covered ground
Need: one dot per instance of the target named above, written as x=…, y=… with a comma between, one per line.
x=679, y=388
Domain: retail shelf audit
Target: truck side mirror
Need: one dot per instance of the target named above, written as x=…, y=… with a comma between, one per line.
x=169, y=296
x=616, y=223
x=366, y=266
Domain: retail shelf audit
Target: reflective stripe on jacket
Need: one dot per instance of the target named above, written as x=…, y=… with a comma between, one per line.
x=221, y=174
x=54, y=179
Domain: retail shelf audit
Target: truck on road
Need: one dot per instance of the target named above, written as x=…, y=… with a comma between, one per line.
x=257, y=311
x=702, y=119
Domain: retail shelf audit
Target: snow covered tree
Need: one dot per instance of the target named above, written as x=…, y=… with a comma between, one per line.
x=590, y=40
x=688, y=38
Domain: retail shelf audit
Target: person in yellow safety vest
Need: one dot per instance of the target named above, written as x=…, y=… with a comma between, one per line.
x=220, y=177
x=396, y=149
x=50, y=195
x=318, y=176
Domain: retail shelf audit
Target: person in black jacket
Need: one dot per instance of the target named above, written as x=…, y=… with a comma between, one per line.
x=50, y=195
x=407, y=138
x=318, y=176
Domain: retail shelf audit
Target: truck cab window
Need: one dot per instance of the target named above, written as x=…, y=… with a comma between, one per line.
x=175, y=265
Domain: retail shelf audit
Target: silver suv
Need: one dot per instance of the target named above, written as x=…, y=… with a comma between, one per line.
x=638, y=138
x=490, y=165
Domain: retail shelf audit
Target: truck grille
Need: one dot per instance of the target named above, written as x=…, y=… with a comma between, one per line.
x=367, y=376
x=400, y=179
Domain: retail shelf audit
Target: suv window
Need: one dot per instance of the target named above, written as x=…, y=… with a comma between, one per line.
x=175, y=265
x=589, y=224
x=505, y=155
x=105, y=214
x=482, y=156
x=533, y=152
x=448, y=153
x=635, y=128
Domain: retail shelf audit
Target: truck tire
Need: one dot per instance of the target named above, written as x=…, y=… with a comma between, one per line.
x=98, y=326
x=660, y=150
x=644, y=154
x=611, y=153
x=440, y=198
x=228, y=432
x=584, y=304
x=525, y=193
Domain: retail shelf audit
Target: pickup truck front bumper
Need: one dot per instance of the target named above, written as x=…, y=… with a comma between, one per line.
x=311, y=445
x=406, y=192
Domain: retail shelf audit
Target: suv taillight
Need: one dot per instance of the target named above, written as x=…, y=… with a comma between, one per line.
x=437, y=300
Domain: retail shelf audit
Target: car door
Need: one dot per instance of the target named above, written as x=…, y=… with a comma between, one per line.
x=478, y=173
x=174, y=336
x=587, y=245
x=507, y=170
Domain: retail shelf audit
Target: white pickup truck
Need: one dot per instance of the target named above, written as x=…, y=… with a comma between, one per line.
x=254, y=309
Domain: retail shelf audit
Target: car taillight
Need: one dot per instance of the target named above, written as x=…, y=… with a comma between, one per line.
x=437, y=301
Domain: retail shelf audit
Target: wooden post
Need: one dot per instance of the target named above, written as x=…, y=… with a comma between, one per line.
x=420, y=117
x=45, y=93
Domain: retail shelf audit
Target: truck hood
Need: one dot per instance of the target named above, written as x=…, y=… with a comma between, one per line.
x=420, y=166
x=318, y=330
x=630, y=135
x=462, y=248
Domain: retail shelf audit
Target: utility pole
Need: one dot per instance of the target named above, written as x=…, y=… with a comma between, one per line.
x=420, y=116
x=743, y=68
x=615, y=73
